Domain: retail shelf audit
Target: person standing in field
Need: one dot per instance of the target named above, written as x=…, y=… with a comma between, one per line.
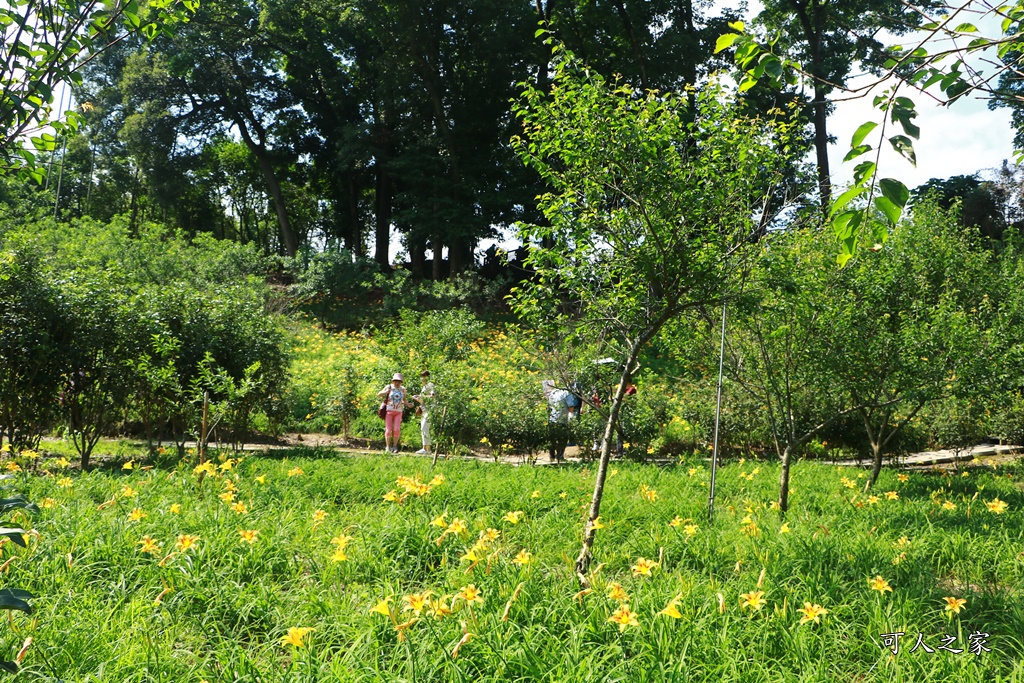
x=558, y=420
x=426, y=399
x=395, y=401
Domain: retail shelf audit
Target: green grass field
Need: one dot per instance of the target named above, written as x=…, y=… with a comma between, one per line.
x=331, y=554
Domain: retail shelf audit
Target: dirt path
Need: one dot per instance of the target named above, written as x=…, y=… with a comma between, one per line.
x=984, y=453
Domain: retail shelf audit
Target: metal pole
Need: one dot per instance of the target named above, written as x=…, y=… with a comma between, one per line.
x=718, y=415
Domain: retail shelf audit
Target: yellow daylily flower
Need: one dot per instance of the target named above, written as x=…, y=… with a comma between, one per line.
x=754, y=600
x=295, y=636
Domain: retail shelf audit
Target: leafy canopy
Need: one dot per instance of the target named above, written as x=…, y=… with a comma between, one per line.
x=650, y=202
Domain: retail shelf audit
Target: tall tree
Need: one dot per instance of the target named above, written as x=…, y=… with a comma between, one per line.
x=222, y=73
x=916, y=322
x=829, y=37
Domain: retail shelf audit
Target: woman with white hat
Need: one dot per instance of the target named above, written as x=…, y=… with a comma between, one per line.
x=395, y=402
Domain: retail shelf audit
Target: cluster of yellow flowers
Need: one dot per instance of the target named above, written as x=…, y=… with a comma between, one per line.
x=430, y=604
x=412, y=486
x=208, y=468
x=183, y=544
x=744, y=475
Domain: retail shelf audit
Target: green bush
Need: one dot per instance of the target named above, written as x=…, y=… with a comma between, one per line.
x=100, y=326
x=34, y=339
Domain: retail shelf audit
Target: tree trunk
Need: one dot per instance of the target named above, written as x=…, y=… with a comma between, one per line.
x=354, y=234
x=382, y=210
x=876, y=463
x=811, y=15
x=689, y=67
x=634, y=41
x=784, y=479
x=544, y=11
x=417, y=256
x=460, y=255
x=436, y=271
x=821, y=147
x=259, y=150
x=583, y=560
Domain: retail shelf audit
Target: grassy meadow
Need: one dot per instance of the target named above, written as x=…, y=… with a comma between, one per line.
x=309, y=566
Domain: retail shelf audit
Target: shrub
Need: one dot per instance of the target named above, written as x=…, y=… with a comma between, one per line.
x=34, y=338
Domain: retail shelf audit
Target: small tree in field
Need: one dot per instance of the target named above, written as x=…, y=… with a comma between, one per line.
x=917, y=328
x=650, y=209
x=781, y=351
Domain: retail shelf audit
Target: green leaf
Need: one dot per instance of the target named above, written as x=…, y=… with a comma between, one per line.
x=933, y=79
x=725, y=41
x=895, y=191
x=19, y=503
x=966, y=28
x=736, y=26
x=747, y=83
x=862, y=132
x=846, y=223
x=846, y=197
x=857, y=151
x=772, y=66
x=863, y=171
x=891, y=211
x=13, y=598
x=15, y=534
x=903, y=145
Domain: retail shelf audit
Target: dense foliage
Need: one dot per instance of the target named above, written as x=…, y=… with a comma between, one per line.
x=103, y=331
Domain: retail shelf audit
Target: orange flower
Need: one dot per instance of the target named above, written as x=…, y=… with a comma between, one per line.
x=417, y=602
x=672, y=609
x=523, y=558
x=996, y=506
x=753, y=599
x=954, y=605
x=149, y=545
x=513, y=517
x=623, y=617
x=185, y=541
x=643, y=567
x=295, y=636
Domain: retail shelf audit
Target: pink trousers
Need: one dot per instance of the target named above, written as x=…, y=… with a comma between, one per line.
x=393, y=424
